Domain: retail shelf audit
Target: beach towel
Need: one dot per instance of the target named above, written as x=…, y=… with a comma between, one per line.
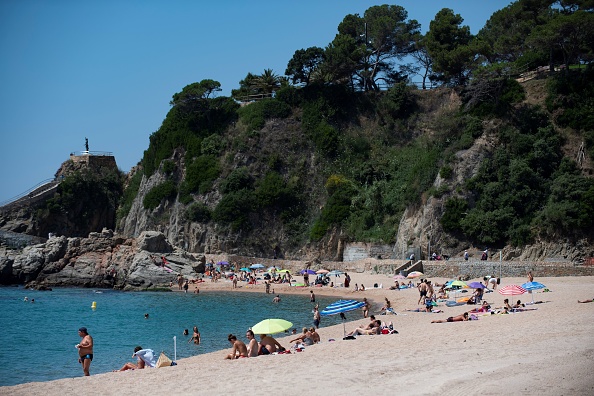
x=163, y=361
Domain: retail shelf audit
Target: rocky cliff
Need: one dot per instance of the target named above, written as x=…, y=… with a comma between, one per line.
x=102, y=260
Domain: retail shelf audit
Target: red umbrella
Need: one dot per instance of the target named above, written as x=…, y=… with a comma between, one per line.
x=512, y=290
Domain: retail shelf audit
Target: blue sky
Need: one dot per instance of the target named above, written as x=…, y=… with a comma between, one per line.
x=106, y=70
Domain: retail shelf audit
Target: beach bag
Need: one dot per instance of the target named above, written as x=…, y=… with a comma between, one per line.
x=163, y=361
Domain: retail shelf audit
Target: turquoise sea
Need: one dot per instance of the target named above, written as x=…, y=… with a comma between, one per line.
x=37, y=340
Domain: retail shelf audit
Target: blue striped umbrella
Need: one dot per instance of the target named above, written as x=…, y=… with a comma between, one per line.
x=340, y=307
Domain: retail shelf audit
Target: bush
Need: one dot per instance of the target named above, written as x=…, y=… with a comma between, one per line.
x=571, y=98
x=397, y=103
x=446, y=172
x=157, y=194
x=336, y=210
x=129, y=194
x=325, y=138
x=254, y=115
x=238, y=179
x=212, y=145
x=234, y=209
x=200, y=174
x=168, y=167
x=198, y=212
x=455, y=209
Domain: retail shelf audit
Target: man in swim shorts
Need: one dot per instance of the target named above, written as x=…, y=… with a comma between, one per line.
x=269, y=345
x=239, y=349
x=423, y=288
x=85, y=350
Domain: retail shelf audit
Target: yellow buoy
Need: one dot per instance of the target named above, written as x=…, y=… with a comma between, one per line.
x=94, y=305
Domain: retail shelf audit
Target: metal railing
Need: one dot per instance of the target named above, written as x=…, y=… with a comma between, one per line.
x=93, y=153
x=33, y=191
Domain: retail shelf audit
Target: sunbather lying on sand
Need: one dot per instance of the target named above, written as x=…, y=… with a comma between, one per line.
x=459, y=318
x=375, y=329
x=483, y=308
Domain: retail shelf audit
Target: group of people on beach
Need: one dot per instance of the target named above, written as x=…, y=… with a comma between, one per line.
x=268, y=345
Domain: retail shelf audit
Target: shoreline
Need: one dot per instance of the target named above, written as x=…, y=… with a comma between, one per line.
x=545, y=351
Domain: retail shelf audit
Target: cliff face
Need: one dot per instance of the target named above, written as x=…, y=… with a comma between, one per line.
x=78, y=207
x=419, y=227
x=101, y=260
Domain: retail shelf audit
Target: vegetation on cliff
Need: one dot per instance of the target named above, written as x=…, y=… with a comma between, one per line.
x=345, y=142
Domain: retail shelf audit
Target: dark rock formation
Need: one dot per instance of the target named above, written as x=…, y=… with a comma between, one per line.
x=103, y=260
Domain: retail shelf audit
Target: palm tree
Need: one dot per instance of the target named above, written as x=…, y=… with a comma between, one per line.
x=268, y=82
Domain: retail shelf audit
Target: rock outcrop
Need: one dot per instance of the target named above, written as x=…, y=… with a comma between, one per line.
x=102, y=260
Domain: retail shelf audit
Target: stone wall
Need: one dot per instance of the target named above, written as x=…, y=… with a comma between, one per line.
x=360, y=251
x=432, y=269
x=95, y=161
x=479, y=269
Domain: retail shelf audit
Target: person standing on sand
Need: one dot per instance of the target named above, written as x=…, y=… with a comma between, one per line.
x=365, y=307
x=423, y=288
x=530, y=276
x=316, y=317
x=180, y=281
x=85, y=350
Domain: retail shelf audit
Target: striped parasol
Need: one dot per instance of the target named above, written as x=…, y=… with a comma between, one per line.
x=512, y=290
x=340, y=307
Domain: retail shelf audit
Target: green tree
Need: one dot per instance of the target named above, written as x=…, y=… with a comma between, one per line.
x=568, y=38
x=195, y=93
x=449, y=45
x=506, y=30
x=304, y=64
x=378, y=38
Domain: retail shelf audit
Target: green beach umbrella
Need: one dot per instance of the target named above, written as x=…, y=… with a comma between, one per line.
x=271, y=326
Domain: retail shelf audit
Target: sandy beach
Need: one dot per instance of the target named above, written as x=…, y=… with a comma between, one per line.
x=545, y=351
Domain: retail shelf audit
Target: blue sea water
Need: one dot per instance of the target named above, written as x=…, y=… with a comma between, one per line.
x=37, y=340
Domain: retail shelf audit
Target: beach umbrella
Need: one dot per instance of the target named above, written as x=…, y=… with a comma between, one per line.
x=399, y=277
x=271, y=326
x=222, y=263
x=335, y=272
x=244, y=269
x=530, y=286
x=414, y=274
x=283, y=271
x=322, y=271
x=456, y=283
x=340, y=307
x=256, y=266
x=476, y=285
x=512, y=290
x=307, y=271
